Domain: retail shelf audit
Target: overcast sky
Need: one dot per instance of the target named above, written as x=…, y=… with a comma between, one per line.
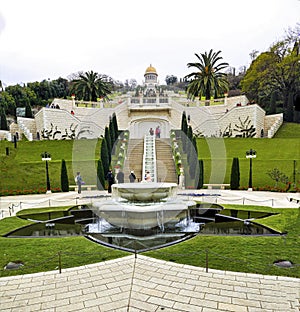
x=54, y=38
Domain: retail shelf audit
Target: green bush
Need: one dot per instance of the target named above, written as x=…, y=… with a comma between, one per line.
x=64, y=177
x=235, y=174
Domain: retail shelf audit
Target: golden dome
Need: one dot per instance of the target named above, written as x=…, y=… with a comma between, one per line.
x=150, y=70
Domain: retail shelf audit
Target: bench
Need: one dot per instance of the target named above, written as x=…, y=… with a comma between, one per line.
x=83, y=186
x=216, y=186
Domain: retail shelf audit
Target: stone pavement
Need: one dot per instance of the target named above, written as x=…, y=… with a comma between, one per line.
x=147, y=284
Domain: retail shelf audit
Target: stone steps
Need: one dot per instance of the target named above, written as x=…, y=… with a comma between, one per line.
x=134, y=159
x=164, y=162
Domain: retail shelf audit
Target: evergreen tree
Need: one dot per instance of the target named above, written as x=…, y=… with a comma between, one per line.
x=100, y=176
x=272, y=109
x=64, y=180
x=184, y=124
x=192, y=156
x=235, y=174
x=108, y=142
x=28, y=111
x=201, y=175
x=111, y=133
x=104, y=156
x=3, y=121
x=289, y=113
x=115, y=124
x=184, y=129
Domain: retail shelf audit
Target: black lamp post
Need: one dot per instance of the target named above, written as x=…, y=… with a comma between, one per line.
x=45, y=157
x=250, y=154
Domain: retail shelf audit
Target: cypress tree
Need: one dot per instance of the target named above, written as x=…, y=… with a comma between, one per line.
x=115, y=124
x=235, y=174
x=184, y=129
x=184, y=125
x=289, y=113
x=100, y=176
x=64, y=181
x=192, y=156
x=111, y=133
x=201, y=175
x=28, y=111
x=104, y=156
x=3, y=121
x=108, y=142
x=272, y=109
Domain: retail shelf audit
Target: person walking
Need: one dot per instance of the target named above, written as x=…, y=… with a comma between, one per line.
x=79, y=182
x=132, y=177
x=110, y=179
x=157, y=132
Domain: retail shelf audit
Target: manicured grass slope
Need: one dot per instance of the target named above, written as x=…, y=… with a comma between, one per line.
x=271, y=153
x=23, y=169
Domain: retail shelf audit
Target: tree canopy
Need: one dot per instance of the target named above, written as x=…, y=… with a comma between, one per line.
x=276, y=70
x=90, y=86
x=208, y=80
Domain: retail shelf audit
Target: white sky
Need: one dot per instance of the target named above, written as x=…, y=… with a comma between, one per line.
x=54, y=38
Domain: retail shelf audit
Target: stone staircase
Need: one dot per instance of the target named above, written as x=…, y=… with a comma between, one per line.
x=164, y=162
x=134, y=159
x=165, y=165
x=27, y=126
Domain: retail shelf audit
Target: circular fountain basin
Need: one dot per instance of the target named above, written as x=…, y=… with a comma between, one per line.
x=144, y=191
x=131, y=216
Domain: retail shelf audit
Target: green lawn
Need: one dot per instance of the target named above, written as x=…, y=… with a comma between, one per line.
x=23, y=171
x=254, y=254
x=271, y=153
x=288, y=130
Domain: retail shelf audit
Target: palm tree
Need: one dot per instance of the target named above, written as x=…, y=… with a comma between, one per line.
x=90, y=85
x=208, y=80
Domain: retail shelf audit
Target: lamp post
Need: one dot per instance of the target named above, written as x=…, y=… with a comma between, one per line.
x=47, y=157
x=250, y=154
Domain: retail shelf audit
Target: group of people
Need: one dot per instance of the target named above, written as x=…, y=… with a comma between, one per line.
x=157, y=132
x=120, y=178
x=52, y=106
x=111, y=179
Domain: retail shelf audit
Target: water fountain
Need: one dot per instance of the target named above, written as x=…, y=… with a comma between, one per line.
x=140, y=212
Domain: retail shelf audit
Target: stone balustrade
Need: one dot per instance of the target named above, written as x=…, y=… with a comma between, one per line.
x=149, y=157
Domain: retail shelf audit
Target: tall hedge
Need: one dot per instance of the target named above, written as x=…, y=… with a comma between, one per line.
x=235, y=174
x=64, y=181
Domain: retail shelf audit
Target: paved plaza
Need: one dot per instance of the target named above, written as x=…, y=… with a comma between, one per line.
x=146, y=284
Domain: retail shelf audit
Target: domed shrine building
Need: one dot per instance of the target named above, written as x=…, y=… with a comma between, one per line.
x=149, y=106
